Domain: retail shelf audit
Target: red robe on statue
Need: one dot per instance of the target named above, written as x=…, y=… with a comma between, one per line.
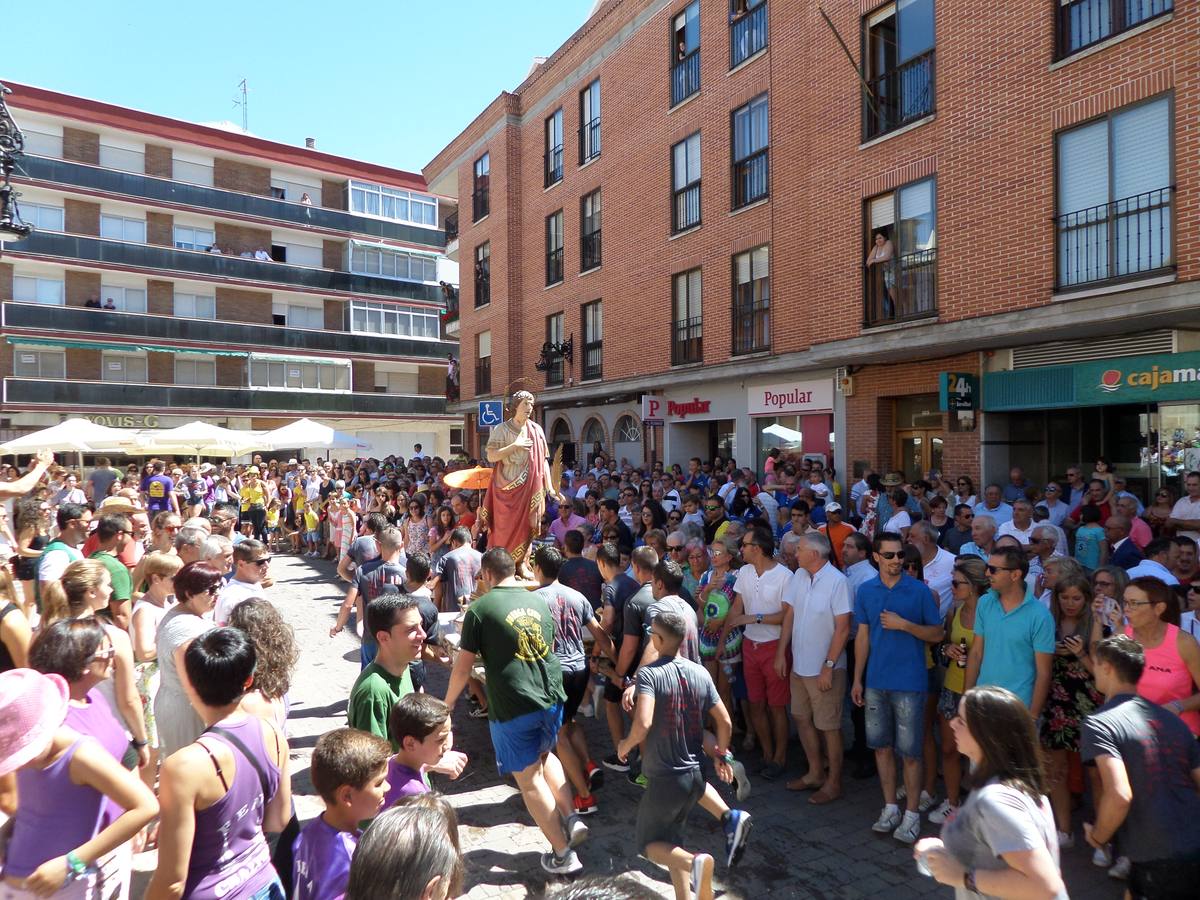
x=513, y=509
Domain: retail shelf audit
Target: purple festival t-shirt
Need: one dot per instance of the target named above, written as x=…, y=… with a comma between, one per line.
x=403, y=782
x=321, y=861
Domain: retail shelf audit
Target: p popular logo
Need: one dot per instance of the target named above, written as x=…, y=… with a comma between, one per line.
x=1110, y=381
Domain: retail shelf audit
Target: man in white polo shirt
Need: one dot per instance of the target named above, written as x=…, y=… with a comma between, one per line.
x=816, y=625
x=937, y=562
x=1185, y=514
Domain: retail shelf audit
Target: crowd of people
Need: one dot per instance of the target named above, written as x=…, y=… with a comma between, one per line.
x=704, y=613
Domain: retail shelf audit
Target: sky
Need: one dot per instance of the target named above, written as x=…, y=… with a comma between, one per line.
x=387, y=81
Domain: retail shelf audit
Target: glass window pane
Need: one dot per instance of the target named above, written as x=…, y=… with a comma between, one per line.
x=53, y=364
x=258, y=374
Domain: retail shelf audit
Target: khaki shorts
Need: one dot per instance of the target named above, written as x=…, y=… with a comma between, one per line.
x=822, y=708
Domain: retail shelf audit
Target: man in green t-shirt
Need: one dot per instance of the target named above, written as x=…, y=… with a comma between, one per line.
x=113, y=532
x=512, y=629
x=395, y=620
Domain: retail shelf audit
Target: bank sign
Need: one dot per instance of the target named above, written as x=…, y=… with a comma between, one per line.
x=1157, y=378
x=790, y=397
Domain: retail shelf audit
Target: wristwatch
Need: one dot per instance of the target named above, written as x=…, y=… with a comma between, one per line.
x=758, y=618
x=829, y=663
x=969, y=881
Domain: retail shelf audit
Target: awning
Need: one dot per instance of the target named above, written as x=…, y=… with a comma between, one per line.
x=92, y=345
x=281, y=357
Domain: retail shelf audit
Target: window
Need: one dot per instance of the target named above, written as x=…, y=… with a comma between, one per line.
x=283, y=189
x=554, y=248
x=123, y=159
x=589, y=122
x=272, y=372
x=483, y=363
x=685, y=184
x=554, y=335
x=1114, y=196
x=685, y=53
x=483, y=274
x=126, y=367
x=293, y=315
x=593, y=340
x=1082, y=23
x=195, y=306
x=747, y=29
x=192, y=171
x=126, y=299
x=42, y=143
x=752, y=301
x=188, y=238
x=396, y=382
x=686, y=331
x=30, y=289
x=43, y=217
x=392, y=320
x=374, y=259
x=589, y=231
x=119, y=228
x=751, y=137
x=302, y=255
x=36, y=363
x=396, y=204
x=479, y=187
x=195, y=370
x=554, y=148
x=456, y=442
x=901, y=271
x=898, y=42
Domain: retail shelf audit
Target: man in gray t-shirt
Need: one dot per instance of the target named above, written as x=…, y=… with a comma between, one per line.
x=458, y=570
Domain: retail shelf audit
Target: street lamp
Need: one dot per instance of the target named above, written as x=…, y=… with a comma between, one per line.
x=12, y=148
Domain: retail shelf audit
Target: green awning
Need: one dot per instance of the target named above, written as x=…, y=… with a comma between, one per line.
x=92, y=345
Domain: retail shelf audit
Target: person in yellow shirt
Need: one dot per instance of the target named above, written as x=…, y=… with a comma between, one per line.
x=254, y=503
x=274, y=509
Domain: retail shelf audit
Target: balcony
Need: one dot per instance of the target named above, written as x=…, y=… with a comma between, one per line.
x=483, y=376
x=1082, y=23
x=91, y=395
x=1129, y=238
x=450, y=313
x=589, y=250
x=902, y=289
x=901, y=95
x=155, y=190
x=451, y=224
x=139, y=326
x=685, y=207
x=687, y=342
x=685, y=77
x=483, y=283
x=593, y=360
x=168, y=259
x=751, y=321
x=747, y=33
x=751, y=179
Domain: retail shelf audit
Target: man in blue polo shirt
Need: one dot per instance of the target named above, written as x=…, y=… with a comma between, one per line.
x=897, y=616
x=1014, y=633
x=993, y=505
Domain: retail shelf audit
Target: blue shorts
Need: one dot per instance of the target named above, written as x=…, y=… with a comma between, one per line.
x=520, y=742
x=367, y=652
x=896, y=719
x=314, y=536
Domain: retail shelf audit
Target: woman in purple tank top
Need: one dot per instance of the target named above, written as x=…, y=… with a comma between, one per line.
x=224, y=790
x=64, y=781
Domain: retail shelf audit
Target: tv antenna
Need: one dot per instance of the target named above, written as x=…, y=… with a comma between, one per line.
x=244, y=103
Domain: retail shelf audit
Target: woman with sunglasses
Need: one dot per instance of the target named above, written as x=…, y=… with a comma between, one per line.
x=964, y=491
x=196, y=588
x=1159, y=510
x=1001, y=843
x=1172, y=656
x=416, y=526
x=714, y=598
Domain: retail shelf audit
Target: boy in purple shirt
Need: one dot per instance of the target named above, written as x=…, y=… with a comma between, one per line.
x=349, y=771
x=420, y=726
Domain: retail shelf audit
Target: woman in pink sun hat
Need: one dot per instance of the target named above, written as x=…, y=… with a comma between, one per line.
x=64, y=780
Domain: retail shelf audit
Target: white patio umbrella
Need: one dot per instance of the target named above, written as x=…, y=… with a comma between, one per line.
x=305, y=433
x=201, y=439
x=72, y=436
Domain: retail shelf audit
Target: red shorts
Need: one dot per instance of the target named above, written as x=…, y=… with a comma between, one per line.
x=758, y=668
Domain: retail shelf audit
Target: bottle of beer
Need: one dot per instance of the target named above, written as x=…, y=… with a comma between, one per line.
x=962, y=660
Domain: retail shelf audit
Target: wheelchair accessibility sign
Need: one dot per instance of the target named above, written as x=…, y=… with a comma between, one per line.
x=491, y=413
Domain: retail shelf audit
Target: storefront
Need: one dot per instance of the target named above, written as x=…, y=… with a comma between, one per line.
x=1142, y=413
x=792, y=415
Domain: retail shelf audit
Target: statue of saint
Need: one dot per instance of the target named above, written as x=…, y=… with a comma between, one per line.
x=516, y=499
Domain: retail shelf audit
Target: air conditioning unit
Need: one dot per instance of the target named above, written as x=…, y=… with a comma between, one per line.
x=844, y=382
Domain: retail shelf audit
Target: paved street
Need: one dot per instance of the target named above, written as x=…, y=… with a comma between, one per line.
x=796, y=851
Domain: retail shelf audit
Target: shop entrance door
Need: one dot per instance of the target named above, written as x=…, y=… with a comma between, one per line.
x=918, y=451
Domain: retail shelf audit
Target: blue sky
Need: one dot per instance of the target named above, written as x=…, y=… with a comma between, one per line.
x=389, y=82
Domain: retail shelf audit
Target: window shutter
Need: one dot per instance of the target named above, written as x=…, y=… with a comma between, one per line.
x=883, y=212
x=485, y=344
x=760, y=263
x=742, y=268
x=1083, y=168
x=1141, y=148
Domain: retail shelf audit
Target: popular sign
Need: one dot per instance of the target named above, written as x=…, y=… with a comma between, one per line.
x=791, y=397
x=656, y=409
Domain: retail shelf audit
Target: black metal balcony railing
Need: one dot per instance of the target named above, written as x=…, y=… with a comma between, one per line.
x=451, y=225
x=1127, y=237
x=747, y=34
x=751, y=178
x=81, y=320
x=902, y=289
x=685, y=207
x=479, y=203
x=589, y=250
x=483, y=284
x=483, y=376
x=685, y=77
x=554, y=266
x=148, y=187
x=593, y=360
x=1082, y=23
x=91, y=395
x=169, y=259
x=751, y=320
x=901, y=95
x=555, y=371
x=554, y=165
x=687, y=341
x=589, y=141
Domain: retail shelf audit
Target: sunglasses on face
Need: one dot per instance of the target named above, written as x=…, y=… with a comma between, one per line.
x=103, y=655
x=712, y=508
x=992, y=570
x=890, y=554
x=262, y=561
x=958, y=582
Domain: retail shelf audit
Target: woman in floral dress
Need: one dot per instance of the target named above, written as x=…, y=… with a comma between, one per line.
x=416, y=526
x=714, y=598
x=1073, y=694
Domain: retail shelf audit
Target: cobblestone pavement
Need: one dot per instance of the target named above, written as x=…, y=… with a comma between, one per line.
x=795, y=850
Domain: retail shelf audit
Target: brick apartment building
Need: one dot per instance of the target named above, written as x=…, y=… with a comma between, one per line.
x=340, y=322
x=1033, y=172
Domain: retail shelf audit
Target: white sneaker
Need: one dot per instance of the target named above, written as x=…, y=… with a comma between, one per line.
x=741, y=779
x=901, y=793
x=567, y=865
x=942, y=813
x=926, y=802
x=1066, y=840
x=909, y=829
x=888, y=819
x=1102, y=858
x=1120, y=871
